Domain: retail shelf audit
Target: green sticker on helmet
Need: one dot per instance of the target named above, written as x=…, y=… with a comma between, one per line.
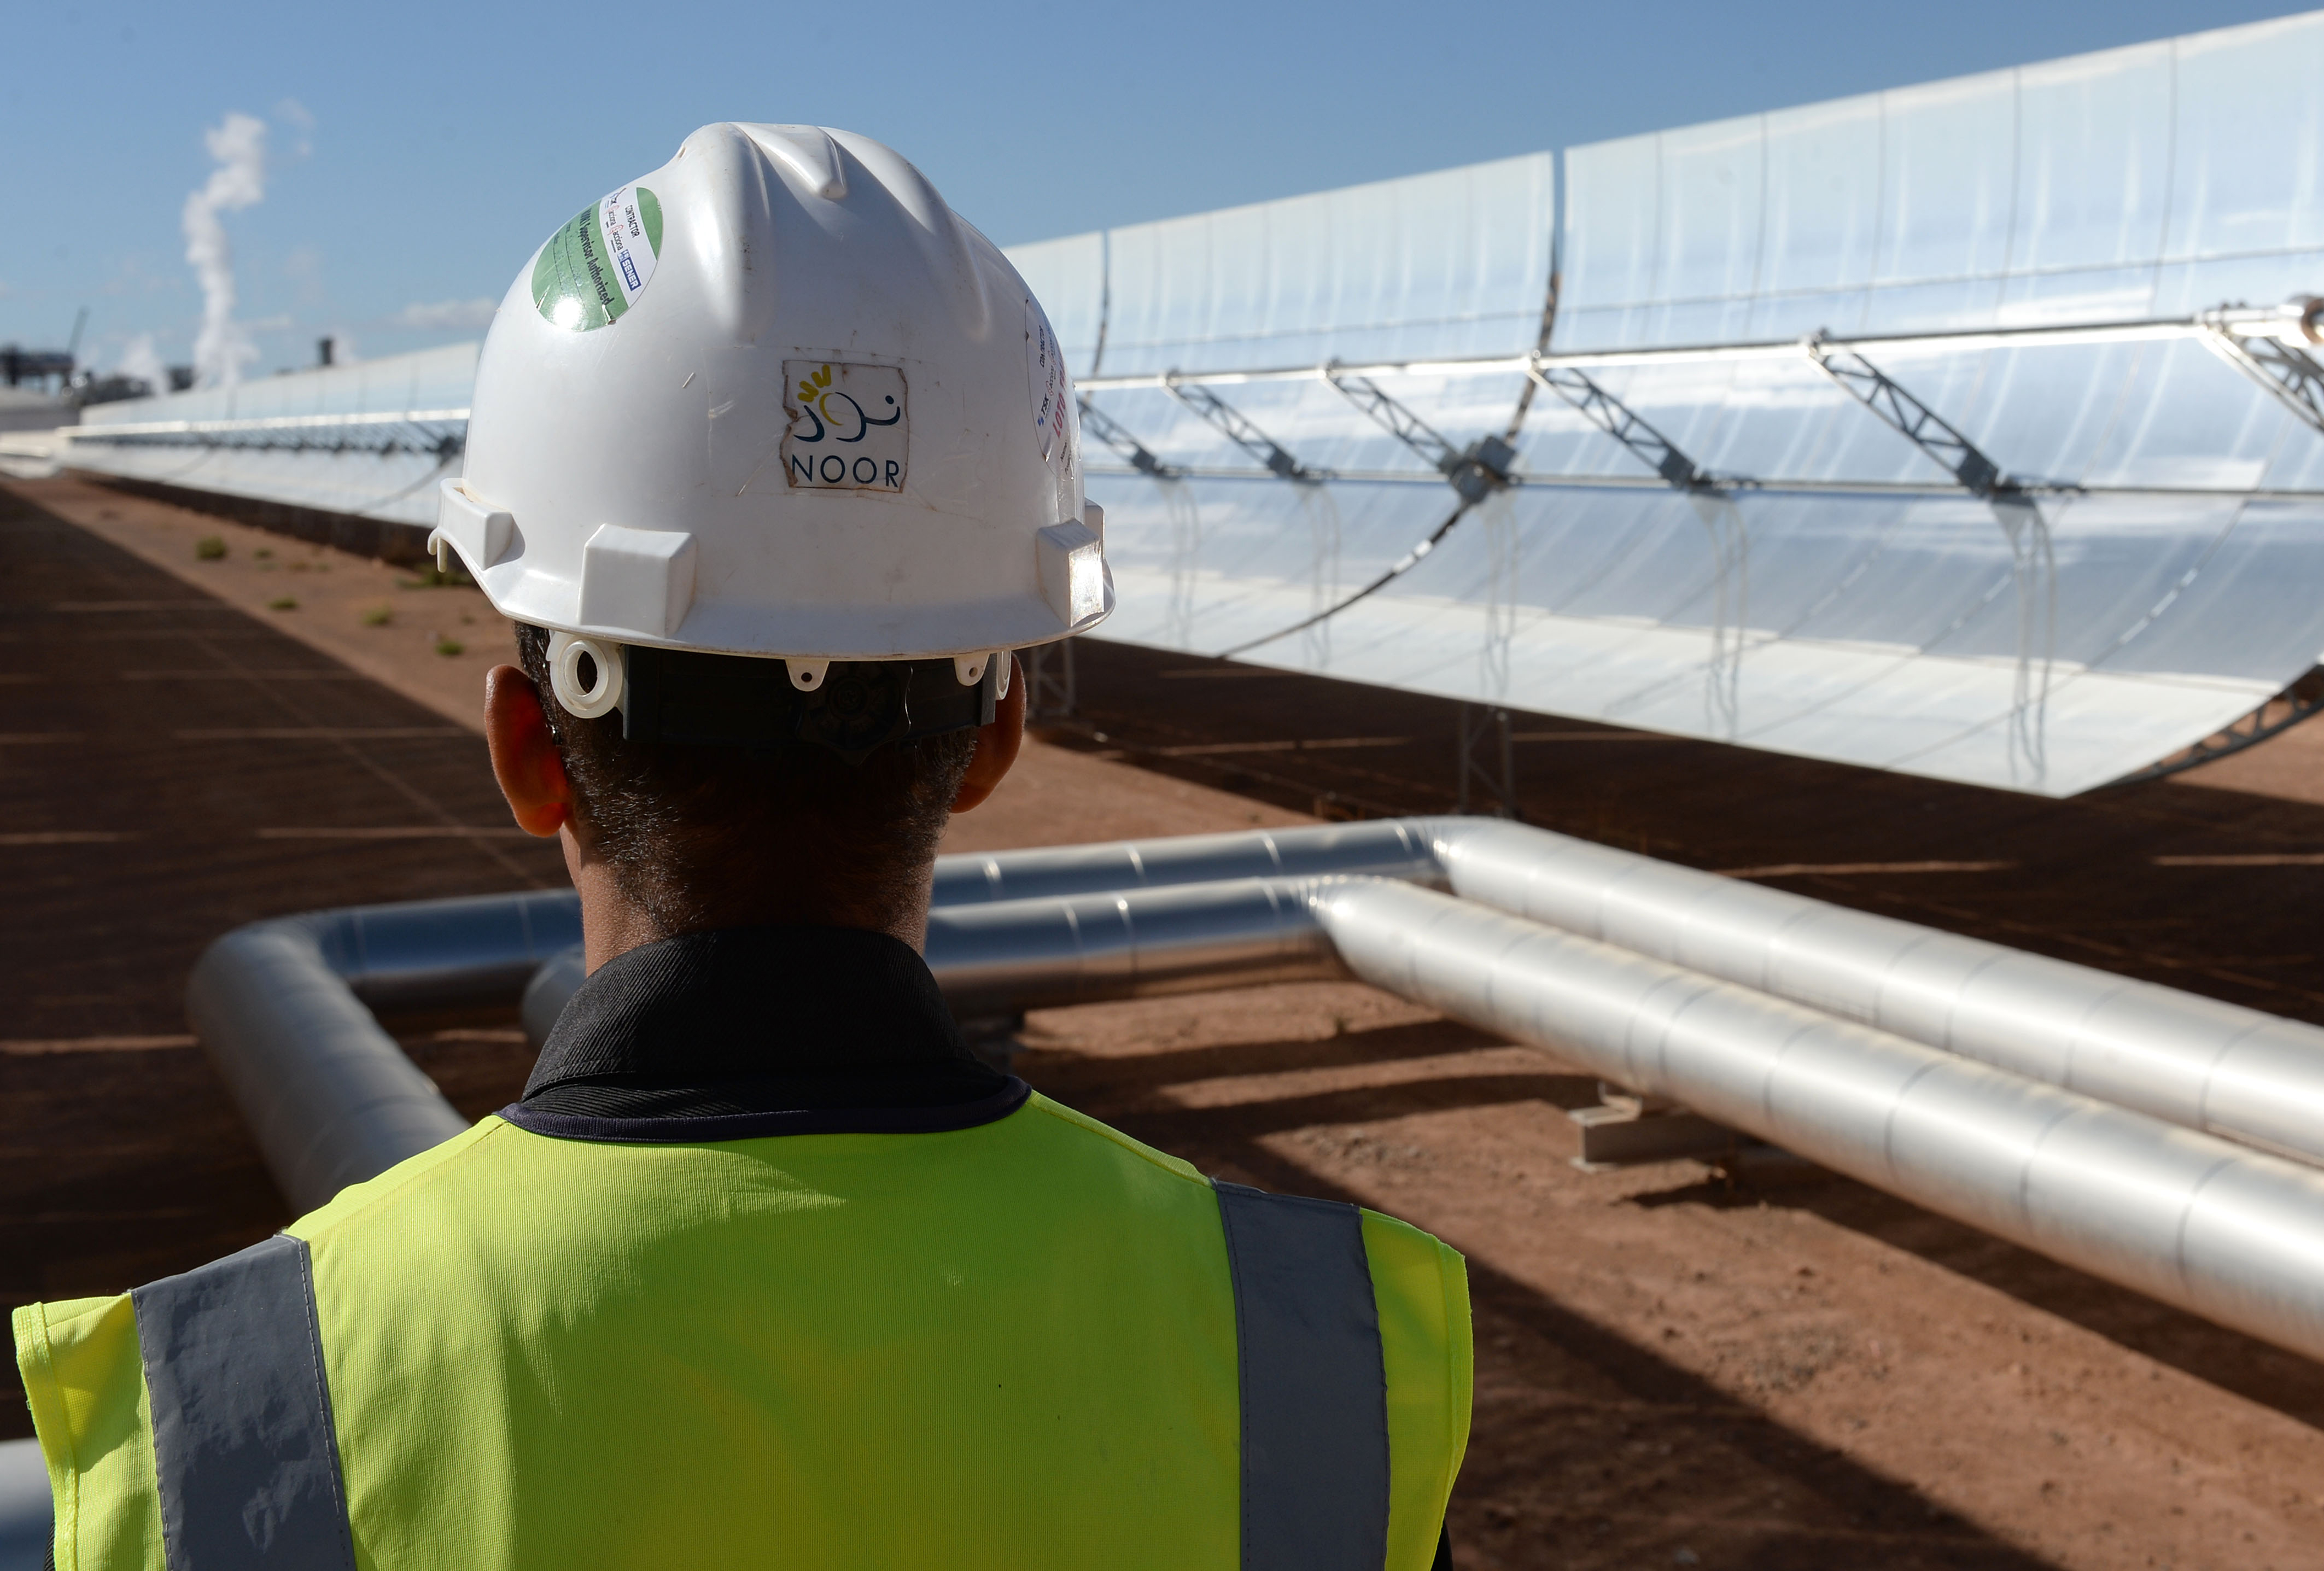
x=596, y=265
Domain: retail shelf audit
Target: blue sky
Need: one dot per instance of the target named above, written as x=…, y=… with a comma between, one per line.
x=416, y=154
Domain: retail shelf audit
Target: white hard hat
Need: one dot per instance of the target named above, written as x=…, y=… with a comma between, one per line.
x=777, y=399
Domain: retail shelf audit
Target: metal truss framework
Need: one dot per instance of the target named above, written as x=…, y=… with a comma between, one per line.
x=1238, y=429
x=438, y=433
x=1111, y=432
x=2269, y=345
x=1619, y=421
x=1488, y=463
x=1486, y=466
x=1915, y=421
x=2297, y=702
x=2238, y=323
x=1475, y=472
x=2284, y=368
x=1778, y=487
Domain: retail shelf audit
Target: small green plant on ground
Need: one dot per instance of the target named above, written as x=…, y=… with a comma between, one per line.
x=210, y=547
x=430, y=576
x=263, y=552
x=282, y=603
x=378, y=615
x=449, y=647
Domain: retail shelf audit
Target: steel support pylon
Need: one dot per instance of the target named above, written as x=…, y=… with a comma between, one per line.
x=1485, y=729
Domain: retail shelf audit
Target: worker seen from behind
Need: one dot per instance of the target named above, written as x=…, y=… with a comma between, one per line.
x=773, y=461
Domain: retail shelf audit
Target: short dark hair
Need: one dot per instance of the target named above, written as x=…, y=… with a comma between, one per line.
x=694, y=834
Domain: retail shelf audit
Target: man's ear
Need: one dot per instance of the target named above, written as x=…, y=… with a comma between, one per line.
x=531, y=775
x=996, y=744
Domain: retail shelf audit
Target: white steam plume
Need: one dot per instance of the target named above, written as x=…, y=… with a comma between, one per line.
x=142, y=361
x=238, y=144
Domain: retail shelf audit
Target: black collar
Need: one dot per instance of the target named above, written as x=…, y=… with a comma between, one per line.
x=750, y=1032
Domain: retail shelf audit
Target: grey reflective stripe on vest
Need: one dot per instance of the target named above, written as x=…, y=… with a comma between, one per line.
x=243, y=1449
x=1314, y=1392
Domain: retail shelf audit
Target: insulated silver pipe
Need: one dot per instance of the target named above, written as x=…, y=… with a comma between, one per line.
x=2191, y=1061
x=1402, y=848
x=1002, y=956
x=1038, y=953
x=25, y=1522
x=284, y=1010
x=2217, y=1067
x=2194, y=1061
x=2233, y=1235
x=1386, y=847
x=2206, y=1065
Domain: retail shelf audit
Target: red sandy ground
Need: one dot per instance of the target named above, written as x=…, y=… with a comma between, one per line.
x=1778, y=1370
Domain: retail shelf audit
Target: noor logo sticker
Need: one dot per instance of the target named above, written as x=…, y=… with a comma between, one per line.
x=849, y=428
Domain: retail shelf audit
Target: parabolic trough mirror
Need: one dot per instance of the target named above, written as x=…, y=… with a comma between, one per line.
x=1971, y=430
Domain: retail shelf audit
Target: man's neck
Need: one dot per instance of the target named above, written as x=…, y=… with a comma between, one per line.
x=613, y=924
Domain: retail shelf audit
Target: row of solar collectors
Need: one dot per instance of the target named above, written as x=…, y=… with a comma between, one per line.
x=369, y=438
x=2048, y=644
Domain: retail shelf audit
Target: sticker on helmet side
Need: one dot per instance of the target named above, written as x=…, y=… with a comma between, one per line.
x=1044, y=371
x=595, y=267
x=849, y=428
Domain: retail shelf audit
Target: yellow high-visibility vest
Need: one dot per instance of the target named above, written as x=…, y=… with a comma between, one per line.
x=1033, y=1343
